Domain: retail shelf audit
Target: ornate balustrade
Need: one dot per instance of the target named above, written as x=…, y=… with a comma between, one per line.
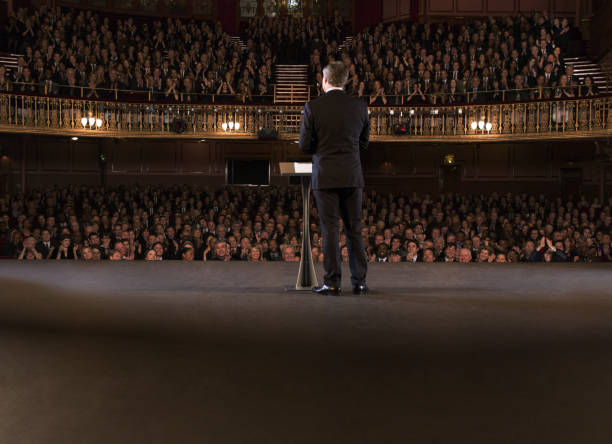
x=577, y=118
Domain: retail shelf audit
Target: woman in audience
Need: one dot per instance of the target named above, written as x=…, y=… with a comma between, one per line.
x=588, y=89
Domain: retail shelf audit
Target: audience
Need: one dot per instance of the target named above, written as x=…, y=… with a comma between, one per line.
x=479, y=61
x=67, y=51
x=70, y=53
x=264, y=224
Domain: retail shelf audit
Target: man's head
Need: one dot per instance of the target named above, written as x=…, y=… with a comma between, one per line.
x=428, y=255
x=220, y=249
x=335, y=75
x=289, y=254
x=465, y=256
x=483, y=255
x=87, y=254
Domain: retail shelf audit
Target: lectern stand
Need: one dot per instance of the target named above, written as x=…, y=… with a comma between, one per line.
x=307, y=278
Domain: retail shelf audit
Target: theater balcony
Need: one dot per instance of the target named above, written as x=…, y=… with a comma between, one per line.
x=132, y=116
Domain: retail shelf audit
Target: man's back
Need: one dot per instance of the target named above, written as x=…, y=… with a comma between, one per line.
x=335, y=128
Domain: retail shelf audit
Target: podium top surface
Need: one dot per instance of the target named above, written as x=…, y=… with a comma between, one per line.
x=295, y=168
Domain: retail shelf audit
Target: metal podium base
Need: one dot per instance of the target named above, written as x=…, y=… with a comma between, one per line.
x=307, y=277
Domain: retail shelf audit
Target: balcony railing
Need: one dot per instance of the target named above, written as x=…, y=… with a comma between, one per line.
x=581, y=117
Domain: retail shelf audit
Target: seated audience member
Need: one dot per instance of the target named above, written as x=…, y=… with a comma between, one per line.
x=465, y=256
x=151, y=255
x=588, y=89
x=128, y=224
x=29, y=252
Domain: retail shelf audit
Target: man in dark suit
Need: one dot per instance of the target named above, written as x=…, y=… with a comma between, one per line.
x=334, y=129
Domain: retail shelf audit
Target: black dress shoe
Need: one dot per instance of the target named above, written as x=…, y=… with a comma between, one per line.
x=360, y=289
x=325, y=290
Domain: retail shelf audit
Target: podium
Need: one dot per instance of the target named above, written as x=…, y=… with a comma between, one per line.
x=307, y=278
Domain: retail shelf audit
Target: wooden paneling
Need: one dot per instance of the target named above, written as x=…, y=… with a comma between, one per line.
x=11, y=146
x=404, y=8
x=396, y=162
x=564, y=154
x=501, y=6
x=427, y=161
x=529, y=167
x=125, y=157
x=481, y=8
x=530, y=5
x=55, y=155
x=155, y=8
x=195, y=157
x=493, y=161
x=530, y=160
x=389, y=9
x=470, y=6
x=160, y=157
x=31, y=156
x=85, y=156
x=564, y=6
x=441, y=6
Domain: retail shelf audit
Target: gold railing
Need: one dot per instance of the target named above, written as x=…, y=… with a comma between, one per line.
x=584, y=117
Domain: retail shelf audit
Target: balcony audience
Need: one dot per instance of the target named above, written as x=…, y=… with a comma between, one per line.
x=478, y=61
x=77, y=53
x=264, y=224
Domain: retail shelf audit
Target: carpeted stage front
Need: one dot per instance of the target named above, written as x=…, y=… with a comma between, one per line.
x=173, y=352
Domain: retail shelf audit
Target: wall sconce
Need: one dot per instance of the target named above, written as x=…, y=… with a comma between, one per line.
x=91, y=122
x=230, y=125
x=481, y=126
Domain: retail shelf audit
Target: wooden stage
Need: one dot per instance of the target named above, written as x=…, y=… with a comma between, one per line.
x=173, y=352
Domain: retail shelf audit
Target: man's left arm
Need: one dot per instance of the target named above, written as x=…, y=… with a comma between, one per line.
x=308, y=141
x=364, y=137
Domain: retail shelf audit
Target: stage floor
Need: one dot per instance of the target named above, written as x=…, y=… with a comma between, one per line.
x=173, y=352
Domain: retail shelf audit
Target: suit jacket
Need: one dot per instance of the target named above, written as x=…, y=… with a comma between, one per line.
x=335, y=127
x=42, y=249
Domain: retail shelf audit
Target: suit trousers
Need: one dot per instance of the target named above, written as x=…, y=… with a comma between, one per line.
x=334, y=204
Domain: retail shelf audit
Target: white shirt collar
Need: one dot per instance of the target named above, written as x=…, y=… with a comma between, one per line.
x=332, y=88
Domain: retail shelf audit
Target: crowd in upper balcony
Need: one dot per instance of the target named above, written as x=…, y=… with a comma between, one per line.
x=76, y=53
x=479, y=61
x=264, y=224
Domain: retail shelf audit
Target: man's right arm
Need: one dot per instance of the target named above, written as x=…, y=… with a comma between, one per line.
x=364, y=137
x=307, y=142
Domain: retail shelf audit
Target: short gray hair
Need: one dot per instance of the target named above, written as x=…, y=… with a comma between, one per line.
x=336, y=73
